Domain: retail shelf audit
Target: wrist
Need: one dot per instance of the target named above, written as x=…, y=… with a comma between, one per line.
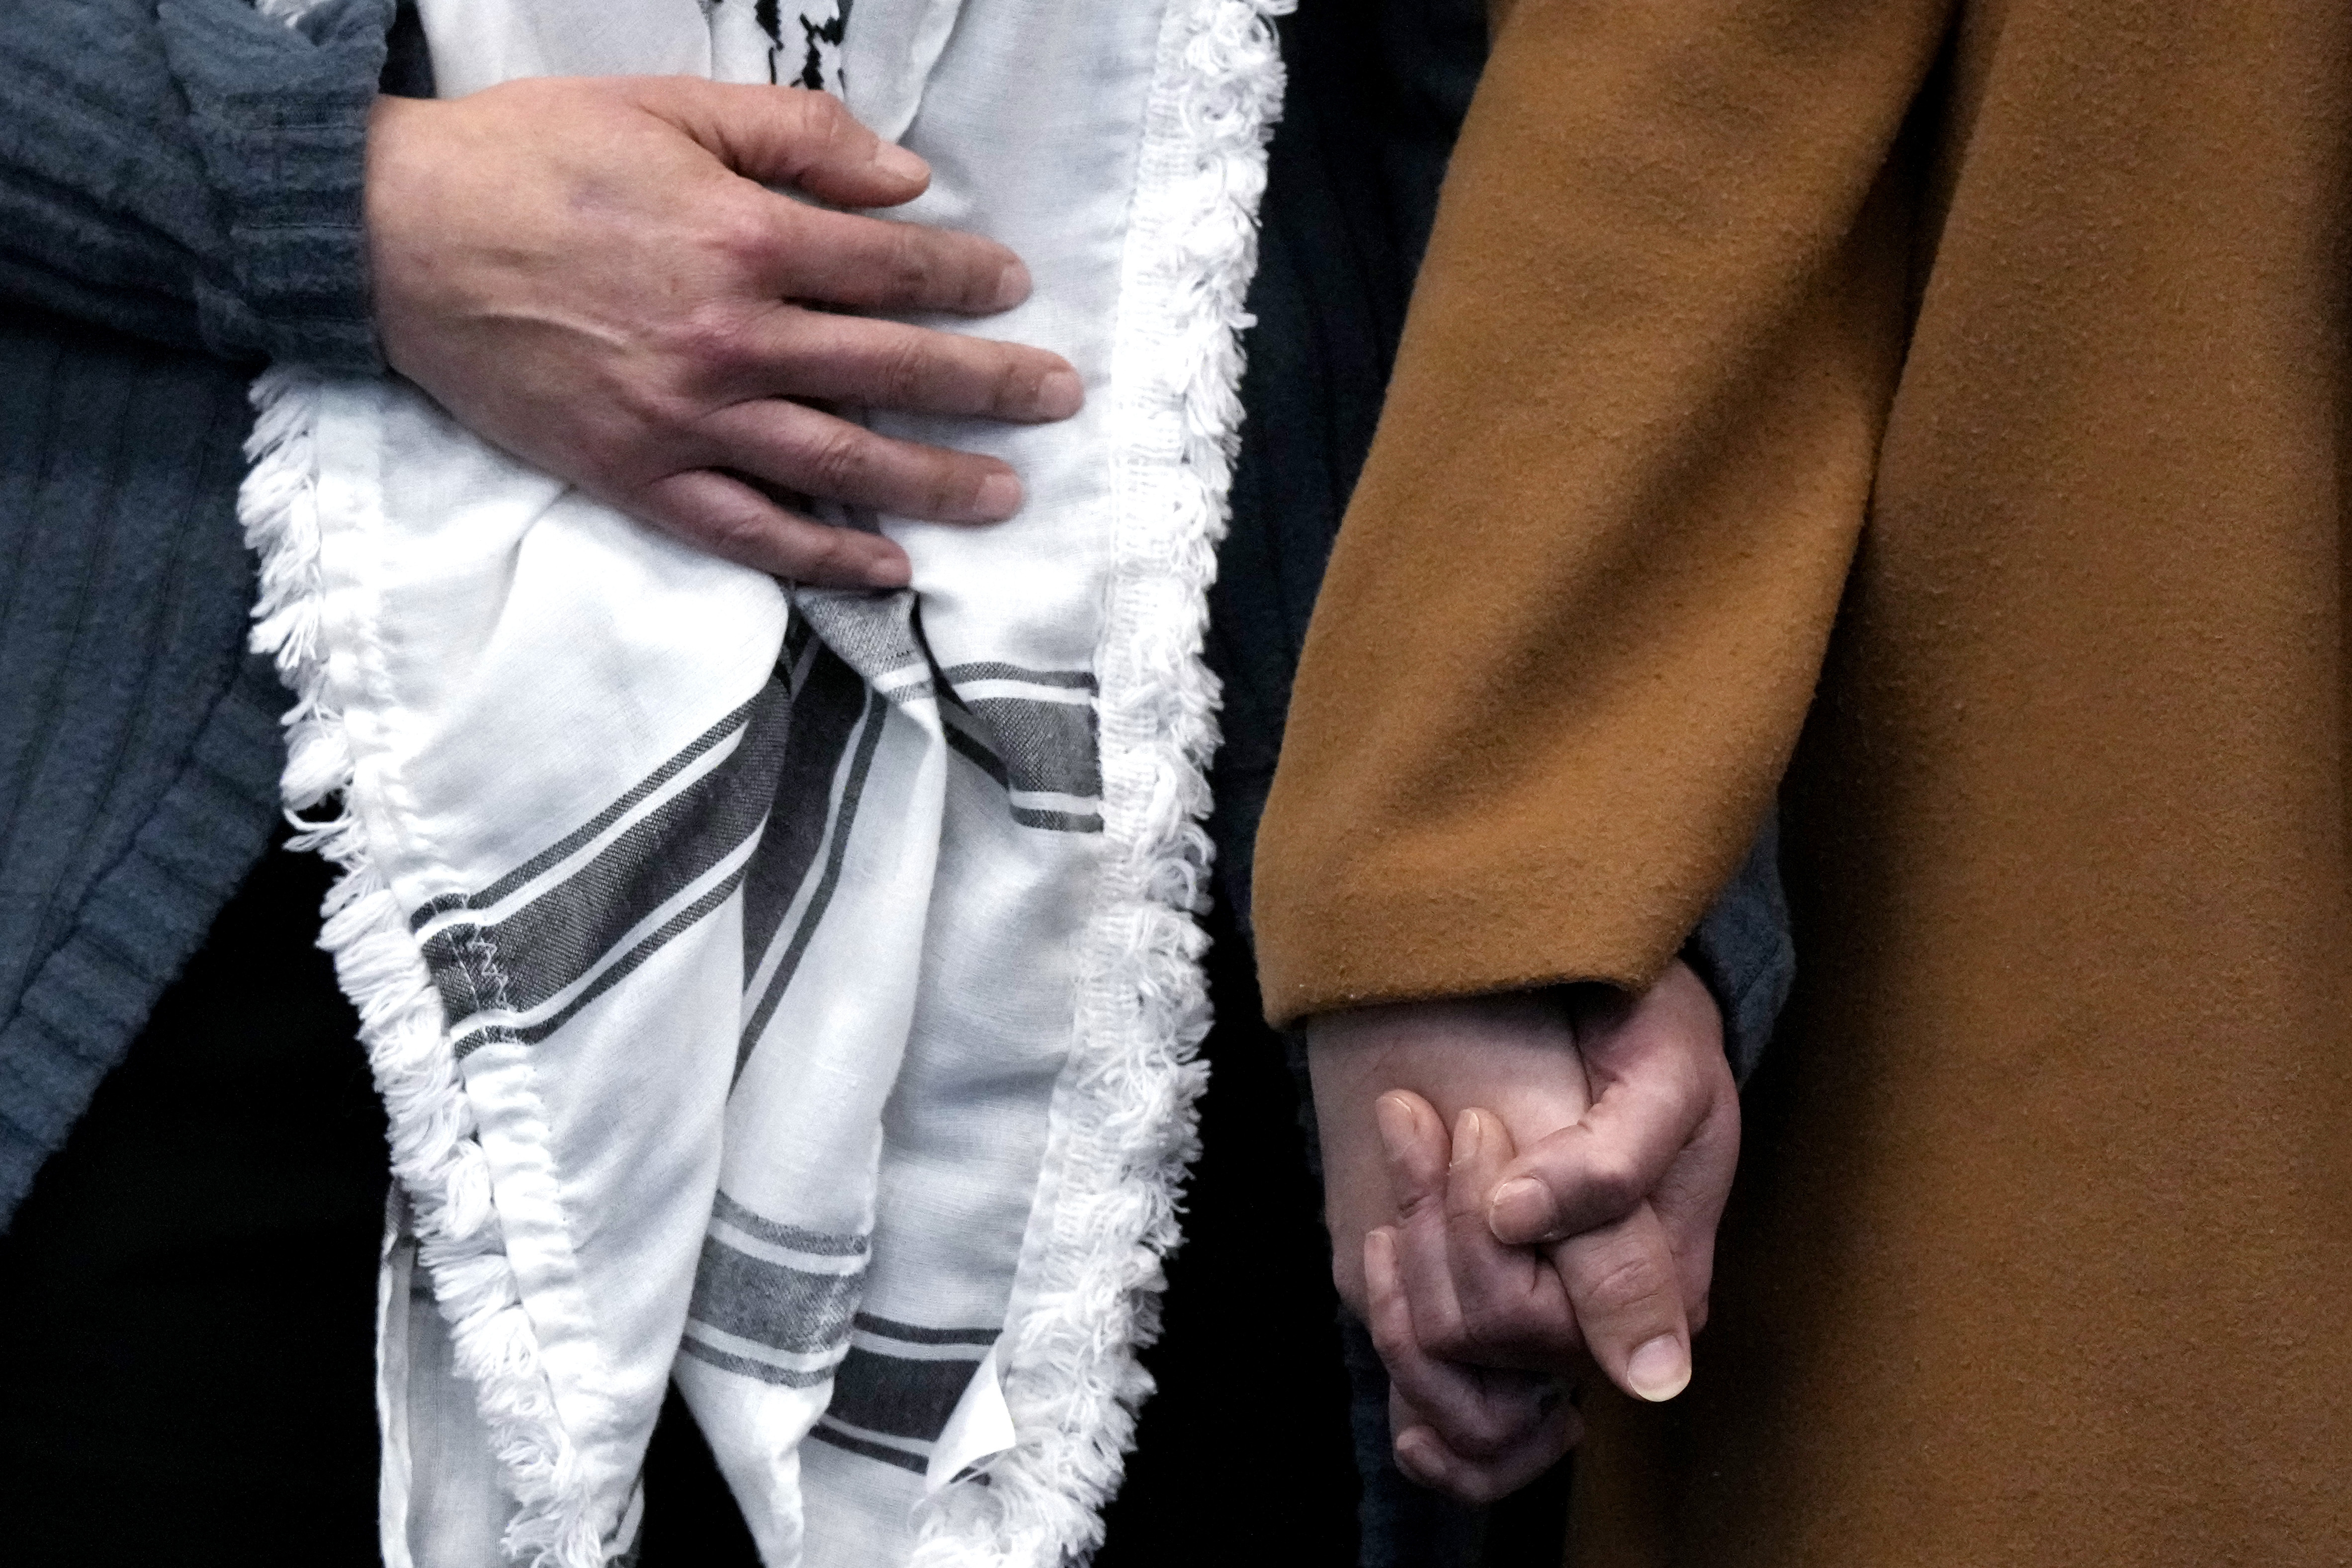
x=1438, y=1023
x=397, y=190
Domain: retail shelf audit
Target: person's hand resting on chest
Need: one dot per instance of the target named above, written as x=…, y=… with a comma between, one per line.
x=590, y=273
x=1568, y=1220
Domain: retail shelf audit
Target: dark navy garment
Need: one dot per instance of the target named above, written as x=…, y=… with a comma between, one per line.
x=179, y=201
x=187, y=1300
x=1377, y=90
x=186, y=1292
x=1268, y=1441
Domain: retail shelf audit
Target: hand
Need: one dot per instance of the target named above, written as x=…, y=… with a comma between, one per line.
x=589, y=272
x=1594, y=1085
x=1475, y=1430
x=1650, y=1162
x=1513, y=1055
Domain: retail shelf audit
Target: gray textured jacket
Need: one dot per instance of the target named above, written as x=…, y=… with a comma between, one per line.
x=179, y=201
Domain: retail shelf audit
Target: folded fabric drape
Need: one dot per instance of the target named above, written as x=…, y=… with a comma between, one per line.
x=791, y=992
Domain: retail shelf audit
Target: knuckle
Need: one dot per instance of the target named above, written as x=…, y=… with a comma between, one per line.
x=713, y=343
x=1446, y=1339
x=823, y=121
x=838, y=461
x=980, y=279
x=1483, y=1318
x=1348, y=1281
x=741, y=231
x=827, y=556
x=1479, y=1491
x=1612, y=1184
x=1626, y=1283
x=1480, y=1436
x=1418, y=1208
x=629, y=405
x=735, y=531
x=907, y=260
x=1389, y=1337
x=1465, y=1209
x=1018, y=385
x=1489, y=1326
x=949, y=485
x=664, y=418
x=904, y=371
x=1477, y=1487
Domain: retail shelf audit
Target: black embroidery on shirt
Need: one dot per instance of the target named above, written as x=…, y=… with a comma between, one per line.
x=824, y=39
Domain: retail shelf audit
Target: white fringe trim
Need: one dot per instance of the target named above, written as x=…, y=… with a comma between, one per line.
x=1124, y=1123
x=434, y=1155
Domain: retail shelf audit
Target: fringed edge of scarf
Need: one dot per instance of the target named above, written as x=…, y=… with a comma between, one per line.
x=435, y=1153
x=1128, y=1131
x=1125, y=1112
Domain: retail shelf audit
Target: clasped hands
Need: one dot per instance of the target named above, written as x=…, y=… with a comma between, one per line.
x=1519, y=1188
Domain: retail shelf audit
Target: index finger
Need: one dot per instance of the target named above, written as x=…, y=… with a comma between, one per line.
x=1413, y=1141
x=1478, y=1413
x=1513, y=1310
x=876, y=264
x=788, y=136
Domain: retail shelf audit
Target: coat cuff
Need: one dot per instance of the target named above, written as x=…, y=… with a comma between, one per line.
x=279, y=114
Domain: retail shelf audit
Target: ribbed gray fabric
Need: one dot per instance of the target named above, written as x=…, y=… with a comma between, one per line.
x=191, y=175
x=139, y=749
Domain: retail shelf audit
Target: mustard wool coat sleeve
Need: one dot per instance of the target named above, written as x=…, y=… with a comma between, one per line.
x=1577, y=611
x=2042, y=1243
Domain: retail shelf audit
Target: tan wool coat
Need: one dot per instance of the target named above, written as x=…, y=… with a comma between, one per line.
x=1944, y=403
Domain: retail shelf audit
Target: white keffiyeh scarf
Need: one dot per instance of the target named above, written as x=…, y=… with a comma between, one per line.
x=791, y=993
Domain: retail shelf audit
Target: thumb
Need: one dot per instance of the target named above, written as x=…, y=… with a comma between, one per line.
x=1627, y=1293
x=1659, y=1072
x=789, y=136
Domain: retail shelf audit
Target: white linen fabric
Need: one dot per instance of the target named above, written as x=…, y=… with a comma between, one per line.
x=791, y=992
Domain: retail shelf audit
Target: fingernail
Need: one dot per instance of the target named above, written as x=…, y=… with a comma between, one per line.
x=1469, y=1136
x=895, y=160
x=1060, y=394
x=1416, y=1455
x=1520, y=1211
x=1396, y=1125
x=999, y=497
x=1660, y=1369
x=890, y=572
x=1012, y=285
x=1380, y=1265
